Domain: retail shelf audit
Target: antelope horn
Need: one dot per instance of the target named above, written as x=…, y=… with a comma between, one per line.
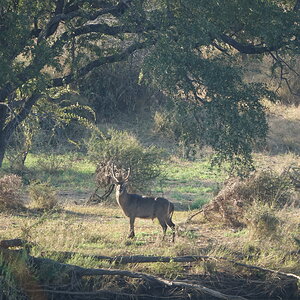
x=113, y=173
x=128, y=174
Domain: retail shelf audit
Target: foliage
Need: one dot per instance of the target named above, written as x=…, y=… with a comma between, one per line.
x=177, y=121
x=19, y=147
x=193, y=54
x=114, y=89
x=51, y=164
x=62, y=123
x=10, y=188
x=42, y=195
x=124, y=151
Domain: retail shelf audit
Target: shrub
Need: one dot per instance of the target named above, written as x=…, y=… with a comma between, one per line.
x=10, y=186
x=124, y=151
x=265, y=187
x=42, y=195
x=262, y=221
x=52, y=163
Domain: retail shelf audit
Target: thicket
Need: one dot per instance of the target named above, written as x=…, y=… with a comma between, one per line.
x=122, y=150
x=264, y=189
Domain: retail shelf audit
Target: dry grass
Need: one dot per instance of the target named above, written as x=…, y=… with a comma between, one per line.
x=100, y=230
x=284, y=122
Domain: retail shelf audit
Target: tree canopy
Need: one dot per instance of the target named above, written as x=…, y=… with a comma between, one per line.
x=195, y=53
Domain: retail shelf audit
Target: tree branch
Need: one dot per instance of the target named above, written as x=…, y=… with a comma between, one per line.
x=58, y=10
x=248, y=48
x=97, y=63
x=20, y=117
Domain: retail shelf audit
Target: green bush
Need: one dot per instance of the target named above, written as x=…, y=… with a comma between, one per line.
x=42, y=195
x=10, y=187
x=177, y=122
x=124, y=151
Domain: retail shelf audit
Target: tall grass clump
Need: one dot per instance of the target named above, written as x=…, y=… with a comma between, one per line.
x=10, y=188
x=42, y=195
x=122, y=150
x=262, y=221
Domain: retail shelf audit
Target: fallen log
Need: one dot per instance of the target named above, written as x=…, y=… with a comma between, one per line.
x=173, y=288
x=12, y=243
x=187, y=258
x=153, y=280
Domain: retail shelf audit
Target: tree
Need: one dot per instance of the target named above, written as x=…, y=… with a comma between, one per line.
x=194, y=55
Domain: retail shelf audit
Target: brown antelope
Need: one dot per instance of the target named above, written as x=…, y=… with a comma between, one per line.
x=137, y=206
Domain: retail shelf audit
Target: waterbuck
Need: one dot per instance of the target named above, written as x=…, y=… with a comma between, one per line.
x=137, y=206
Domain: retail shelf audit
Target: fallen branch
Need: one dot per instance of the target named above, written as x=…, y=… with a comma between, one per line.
x=95, y=198
x=12, y=243
x=194, y=215
x=104, y=294
x=187, y=258
x=154, y=280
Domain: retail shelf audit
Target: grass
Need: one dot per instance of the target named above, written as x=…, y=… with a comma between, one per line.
x=65, y=172
x=100, y=230
x=188, y=184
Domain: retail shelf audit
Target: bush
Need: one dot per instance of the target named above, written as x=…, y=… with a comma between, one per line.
x=262, y=221
x=42, y=195
x=114, y=89
x=124, y=151
x=52, y=163
x=10, y=186
x=265, y=187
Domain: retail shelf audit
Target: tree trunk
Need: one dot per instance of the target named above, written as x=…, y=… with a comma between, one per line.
x=7, y=129
x=3, y=139
x=2, y=148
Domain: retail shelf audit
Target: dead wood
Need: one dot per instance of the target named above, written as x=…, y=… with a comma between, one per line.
x=105, y=294
x=168, y=289
x=186, y=258
x=151, y=279
x=12, y=243
x=95, y=198
x=149, y=259
x=193, y=215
